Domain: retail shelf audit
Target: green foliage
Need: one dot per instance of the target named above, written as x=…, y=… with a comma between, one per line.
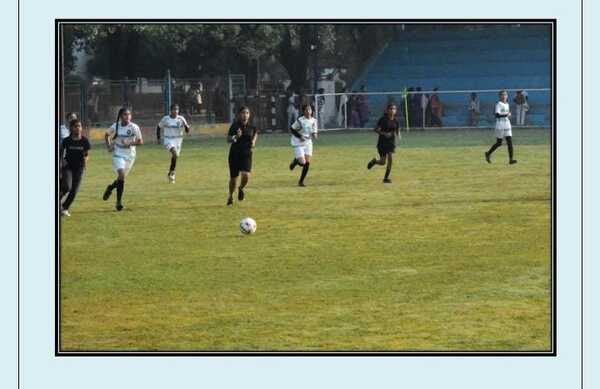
x=147, y=50
x=454, y=255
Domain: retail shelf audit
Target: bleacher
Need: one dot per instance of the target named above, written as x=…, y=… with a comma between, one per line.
x=491, y=57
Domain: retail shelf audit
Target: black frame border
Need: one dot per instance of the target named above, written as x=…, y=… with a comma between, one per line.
x=341, y=353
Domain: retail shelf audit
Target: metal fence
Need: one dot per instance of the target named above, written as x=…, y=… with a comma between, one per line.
x=433, y=109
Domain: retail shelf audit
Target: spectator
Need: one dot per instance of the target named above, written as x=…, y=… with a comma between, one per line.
x=522, y=106
x=437, y=109
x=292, y=108
x=363, y=107
x=423, y=116
x=474, y=110
x=342, y=108
x=197, y=98
x=64, y=128
x=320, y=105
x=412, y=108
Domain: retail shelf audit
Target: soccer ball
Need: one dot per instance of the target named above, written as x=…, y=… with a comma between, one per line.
x=247, y=226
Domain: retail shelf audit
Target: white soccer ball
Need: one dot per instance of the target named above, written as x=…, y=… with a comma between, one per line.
x=248, y=225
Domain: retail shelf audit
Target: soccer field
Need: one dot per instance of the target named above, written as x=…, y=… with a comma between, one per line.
x=454, y=255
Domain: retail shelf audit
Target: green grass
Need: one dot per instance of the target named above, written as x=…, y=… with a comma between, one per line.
x=454, y=255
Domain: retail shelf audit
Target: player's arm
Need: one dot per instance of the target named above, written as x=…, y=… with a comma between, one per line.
x=108, y=141
x=86, y=152
x=315, y=131
x=158, y=133
x=232, y=134
x=138, y=140
x=254, y=138
x=294, y=130
x=185, y=125
x=501, y=115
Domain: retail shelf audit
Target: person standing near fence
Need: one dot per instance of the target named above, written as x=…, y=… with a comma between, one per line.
x=121, y=140
x=503, y=128
x=172, y=126
x=64, y=128
x=388, y=129
x=521, y=107
x=437, y=109
x=303, y=131
x=292, y=108
x=342, y=109
x=363, y=107
x=74, y=150
x=474, y=110
x=242, y=135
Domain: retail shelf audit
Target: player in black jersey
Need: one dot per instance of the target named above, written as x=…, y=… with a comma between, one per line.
x=74, y=153
x=388, y=129
x=242, y=136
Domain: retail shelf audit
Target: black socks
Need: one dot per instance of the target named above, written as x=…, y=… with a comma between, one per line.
x=120, y=188
x=305, y=168
x=510, y=147
x=495, y=146
x=173, y=164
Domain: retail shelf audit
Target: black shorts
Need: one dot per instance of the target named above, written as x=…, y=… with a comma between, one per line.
x=385, y=148
x=239, y=162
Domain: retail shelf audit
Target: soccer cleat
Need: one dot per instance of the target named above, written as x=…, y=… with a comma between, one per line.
x=119, y=207
x=230, y=201
x=512, y=161
x=240, y=194
x=387, y=181
x=65, y=212
x=293, y=164
x=487, y=157
x=171, y=176
x=301, y=183
x=107, y=193
x=371, y=164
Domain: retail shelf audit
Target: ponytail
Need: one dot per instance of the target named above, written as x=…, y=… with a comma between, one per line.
x=121, y=112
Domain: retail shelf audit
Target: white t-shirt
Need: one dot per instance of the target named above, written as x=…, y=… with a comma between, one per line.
x=64, y=132
x=502, y=123
x=173, y=127
x=126, y=135
x=306, y=127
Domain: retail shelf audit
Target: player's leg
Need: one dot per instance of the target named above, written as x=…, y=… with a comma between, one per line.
x=118, y=163
x=298, y=157
x=509, y=143
x=234, y=172
x=246, y=168
x=66, y=189
x=307, y=157
x=121, y=173
x=76, y=176
x=388, y=169
x=488, y=153
x=174, y=154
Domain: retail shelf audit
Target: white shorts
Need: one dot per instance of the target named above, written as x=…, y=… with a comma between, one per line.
x=173, y=143
x=502, y=133
x=301, y=151
x=120, y=163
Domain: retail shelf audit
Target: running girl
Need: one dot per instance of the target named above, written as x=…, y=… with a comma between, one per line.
x=75, y=151
x=242, y=136
x=303, y=131
x=503, y=128
x=121, y=139
x=388, y=129
x=172, y=126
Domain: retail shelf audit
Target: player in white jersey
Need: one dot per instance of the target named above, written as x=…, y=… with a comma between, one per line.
x=503, y=128
x=303, y=130
x=121, y=139
x=173, y=126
